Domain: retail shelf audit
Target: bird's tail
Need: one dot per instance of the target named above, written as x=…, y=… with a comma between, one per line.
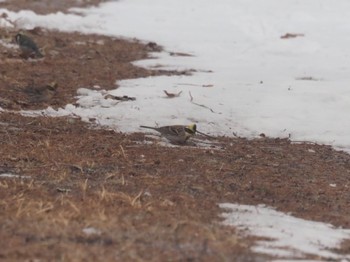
x=149, y=127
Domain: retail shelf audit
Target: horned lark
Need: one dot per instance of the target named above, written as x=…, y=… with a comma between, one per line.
x=177, y=134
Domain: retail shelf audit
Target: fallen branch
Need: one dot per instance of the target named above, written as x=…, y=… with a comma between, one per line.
x=191, y=99
x=172, y=95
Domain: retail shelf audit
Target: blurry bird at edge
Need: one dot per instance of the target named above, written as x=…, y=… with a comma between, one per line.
x=27, y=46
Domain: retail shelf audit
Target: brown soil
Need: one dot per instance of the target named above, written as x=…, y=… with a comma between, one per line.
x=71, y=61
x=47, y=6
x=147, y=202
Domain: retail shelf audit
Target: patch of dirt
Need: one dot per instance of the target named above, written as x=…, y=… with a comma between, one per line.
x=147, y=202
x=47, y=6
x=139, y=201
x=150, y=202
x=71, y=61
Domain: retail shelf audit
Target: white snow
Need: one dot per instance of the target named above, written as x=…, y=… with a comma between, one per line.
x=257, y=81
x=9, y=175
x=91, y=231
x=291, y=237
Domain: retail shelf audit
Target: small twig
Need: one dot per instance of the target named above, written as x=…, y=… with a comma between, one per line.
x=63, y=190
x=84, y=187
x=45, y=209
x=199, y=104
x=123, y=181
x=123, y=152
x=172, y=95
x=73, y=206
x=221, y=167
x=191, y=97
x=186, y=84
x=136, y=198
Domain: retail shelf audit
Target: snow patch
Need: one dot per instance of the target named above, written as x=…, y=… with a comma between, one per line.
x=9, y=175
x=91, y=231
x=259, y=83
x=290, y=237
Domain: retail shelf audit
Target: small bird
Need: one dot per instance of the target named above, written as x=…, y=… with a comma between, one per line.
x=177, y=134
x=41, y=94
x=28, y=46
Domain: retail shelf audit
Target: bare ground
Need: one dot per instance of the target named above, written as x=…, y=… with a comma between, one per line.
x=48, y=6
x=146, y=201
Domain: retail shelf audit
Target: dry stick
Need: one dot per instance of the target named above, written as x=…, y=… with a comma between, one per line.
x=191, y=99
x=172, y=95
x=123, y=152
x=123, y=181
x=45, y=209
x=136, y=198
x=222, y=166
x=199, y=104
x=185, y=84
x=73, y=206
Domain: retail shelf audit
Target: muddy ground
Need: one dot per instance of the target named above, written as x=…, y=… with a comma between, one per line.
x=92, y=194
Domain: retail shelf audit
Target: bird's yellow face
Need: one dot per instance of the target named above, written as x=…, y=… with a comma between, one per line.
x=191, y=129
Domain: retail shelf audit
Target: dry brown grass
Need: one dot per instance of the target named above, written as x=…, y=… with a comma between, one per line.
x=149, y=202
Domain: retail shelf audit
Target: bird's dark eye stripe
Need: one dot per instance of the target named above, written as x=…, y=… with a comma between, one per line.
x=188, y=130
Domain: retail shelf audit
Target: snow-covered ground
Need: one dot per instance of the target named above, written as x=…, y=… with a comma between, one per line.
x=256, y=85
x=248, y=79
x=288, y=237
